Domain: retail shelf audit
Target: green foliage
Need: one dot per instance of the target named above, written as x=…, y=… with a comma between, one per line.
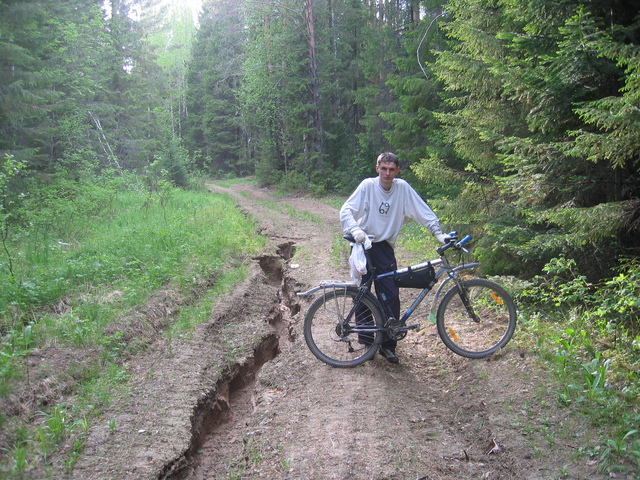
x=275, y=94
x=592, y=336
x=9, y=171
x=292, y=183
x=81, y=90
x=521, y=81
x=173, y=165
x=562, y=286
x=616, y=118
x=109, y=249
x=618, y=300
x=415, y=132
x=442, y=180
x=213, y=127
x=517, y=237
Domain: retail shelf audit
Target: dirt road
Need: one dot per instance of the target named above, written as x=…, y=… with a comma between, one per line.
x=243, y=398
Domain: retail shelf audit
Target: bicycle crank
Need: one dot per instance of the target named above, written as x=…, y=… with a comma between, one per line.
x=397, y=330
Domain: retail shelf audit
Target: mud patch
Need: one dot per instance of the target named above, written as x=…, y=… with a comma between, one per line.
x=270, y=265
x=286, y=250
x=274, y=268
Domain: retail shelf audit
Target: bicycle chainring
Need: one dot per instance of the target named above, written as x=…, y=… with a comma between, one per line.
x=393, y=330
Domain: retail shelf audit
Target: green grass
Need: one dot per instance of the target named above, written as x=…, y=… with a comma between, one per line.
x=335, y=202
x=72, y=286
x=579, y=331
x=229, y=182
x=597, y=385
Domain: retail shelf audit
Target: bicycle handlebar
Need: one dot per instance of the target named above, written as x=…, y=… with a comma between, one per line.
x=452, y=243
x=463, y=241
x=453, y=236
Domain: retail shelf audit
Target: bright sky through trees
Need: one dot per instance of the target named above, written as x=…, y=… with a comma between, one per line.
x=194, y=5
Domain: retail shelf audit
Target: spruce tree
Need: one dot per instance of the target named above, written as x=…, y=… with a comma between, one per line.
x=214, y=128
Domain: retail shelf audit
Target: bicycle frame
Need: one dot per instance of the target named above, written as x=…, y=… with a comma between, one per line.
x=444, y=268
x=474, y=317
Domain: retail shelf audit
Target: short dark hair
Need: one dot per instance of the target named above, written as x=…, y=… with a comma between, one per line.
x=388, y=157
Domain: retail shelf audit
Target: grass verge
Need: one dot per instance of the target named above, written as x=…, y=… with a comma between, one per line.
x=70, y=297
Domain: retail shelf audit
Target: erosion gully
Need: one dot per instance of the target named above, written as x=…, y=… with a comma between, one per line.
x=231, y=399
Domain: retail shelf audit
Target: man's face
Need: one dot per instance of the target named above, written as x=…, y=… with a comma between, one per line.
x=387, y=171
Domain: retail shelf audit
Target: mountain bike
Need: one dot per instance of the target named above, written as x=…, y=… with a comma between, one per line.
x=345, y=325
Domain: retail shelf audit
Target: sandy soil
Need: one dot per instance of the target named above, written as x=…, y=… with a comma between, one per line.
x=243, y=398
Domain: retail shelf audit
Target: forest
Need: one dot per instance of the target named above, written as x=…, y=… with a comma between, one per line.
x=519, y=122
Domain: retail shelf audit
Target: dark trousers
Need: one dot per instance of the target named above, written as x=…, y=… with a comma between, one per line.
x=382, y=257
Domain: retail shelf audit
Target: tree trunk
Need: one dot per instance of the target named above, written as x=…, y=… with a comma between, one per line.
x=318, y=144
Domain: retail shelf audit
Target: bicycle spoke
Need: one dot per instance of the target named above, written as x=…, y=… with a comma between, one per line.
x=478, y=321
x=335, y=340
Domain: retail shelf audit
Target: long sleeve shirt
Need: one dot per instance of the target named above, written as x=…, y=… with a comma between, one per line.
x=380, y=213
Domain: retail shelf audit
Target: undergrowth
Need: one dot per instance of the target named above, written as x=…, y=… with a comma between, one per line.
x=590, y=335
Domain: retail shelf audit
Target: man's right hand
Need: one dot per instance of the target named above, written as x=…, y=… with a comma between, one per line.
x=443, y=238
x=358, y=235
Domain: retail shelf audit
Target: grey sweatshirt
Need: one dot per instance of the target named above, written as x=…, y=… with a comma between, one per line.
x=380, y=213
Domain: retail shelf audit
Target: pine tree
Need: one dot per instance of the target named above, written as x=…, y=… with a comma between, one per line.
x=52, y=74
x=277, y=93
x=415, y=131
x=343, y=34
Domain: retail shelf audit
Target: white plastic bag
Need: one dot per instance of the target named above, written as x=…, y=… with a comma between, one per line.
x=357, y=261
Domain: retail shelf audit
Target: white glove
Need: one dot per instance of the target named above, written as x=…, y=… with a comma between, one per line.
x=442, y=238
x=358, y=235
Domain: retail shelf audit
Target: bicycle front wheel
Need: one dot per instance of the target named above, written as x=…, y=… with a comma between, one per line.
x=476, y=319
x=334, y=340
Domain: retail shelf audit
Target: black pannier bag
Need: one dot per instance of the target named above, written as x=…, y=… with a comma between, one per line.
x=421, y=277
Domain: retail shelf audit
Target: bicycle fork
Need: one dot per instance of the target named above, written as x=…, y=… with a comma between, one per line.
x=463, y=292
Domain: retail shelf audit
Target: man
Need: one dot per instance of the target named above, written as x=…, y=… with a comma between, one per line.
x=377, y=209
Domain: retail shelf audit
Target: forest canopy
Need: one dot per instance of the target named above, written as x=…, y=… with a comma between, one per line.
x=518, y=122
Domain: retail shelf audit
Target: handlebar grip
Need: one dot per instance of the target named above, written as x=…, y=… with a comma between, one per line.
x=456, y=245
x=463, y=241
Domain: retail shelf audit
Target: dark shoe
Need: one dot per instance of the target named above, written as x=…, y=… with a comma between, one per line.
x=390, y=355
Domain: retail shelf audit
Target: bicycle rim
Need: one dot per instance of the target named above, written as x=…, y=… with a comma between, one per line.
x=488, y=327
x=338, y=346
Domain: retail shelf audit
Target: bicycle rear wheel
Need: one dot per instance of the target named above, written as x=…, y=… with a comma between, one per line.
x=485, y=324
x=335, y=342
